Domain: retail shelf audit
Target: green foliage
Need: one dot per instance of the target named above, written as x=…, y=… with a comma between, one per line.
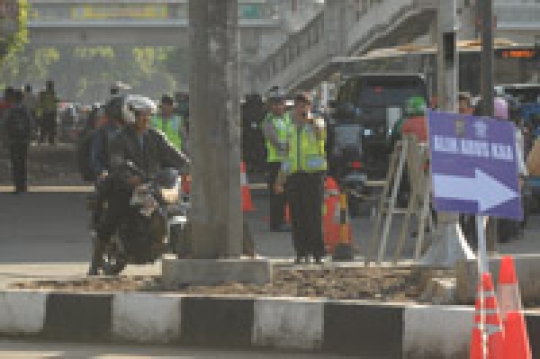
x=16, y=41
x=177, y=63
x=85, y=74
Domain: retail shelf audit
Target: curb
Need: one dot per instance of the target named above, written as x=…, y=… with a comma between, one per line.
x=336, y=327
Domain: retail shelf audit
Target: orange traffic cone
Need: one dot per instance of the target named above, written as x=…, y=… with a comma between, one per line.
x=331, y=214
x=507, y=289
x=247, y=204
x=344, y=249
x=516, y=340
x=516, y=337
x=477, y=345
x=493, y=325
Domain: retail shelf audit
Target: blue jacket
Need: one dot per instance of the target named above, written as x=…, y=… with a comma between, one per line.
x=99, y=154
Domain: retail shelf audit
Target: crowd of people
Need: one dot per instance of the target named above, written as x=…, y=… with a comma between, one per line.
x=132, y=127
x=505, y=109
x=25, y=116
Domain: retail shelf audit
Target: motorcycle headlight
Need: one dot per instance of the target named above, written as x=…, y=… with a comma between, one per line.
x=171, y=195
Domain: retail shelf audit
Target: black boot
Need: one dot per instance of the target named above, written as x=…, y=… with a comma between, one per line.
x=97, y=256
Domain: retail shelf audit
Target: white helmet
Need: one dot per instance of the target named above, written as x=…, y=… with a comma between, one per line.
x=138, y=103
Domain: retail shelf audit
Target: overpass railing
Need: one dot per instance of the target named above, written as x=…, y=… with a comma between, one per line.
x=305, y=53
x=164, y=11
x=304, y=49
x=517, y=14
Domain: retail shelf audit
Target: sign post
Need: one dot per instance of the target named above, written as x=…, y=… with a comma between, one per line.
x=474, y=169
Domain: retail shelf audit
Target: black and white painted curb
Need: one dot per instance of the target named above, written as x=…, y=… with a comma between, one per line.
x=335, y=327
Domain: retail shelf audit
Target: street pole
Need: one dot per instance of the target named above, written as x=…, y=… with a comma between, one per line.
x=447, y=56
x=216, y=212
x=487, y=89
x=451, y=247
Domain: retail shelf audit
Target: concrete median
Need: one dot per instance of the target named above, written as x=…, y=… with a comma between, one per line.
x=362, y=329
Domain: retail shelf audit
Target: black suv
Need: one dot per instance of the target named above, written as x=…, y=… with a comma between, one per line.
x=372, y=103
x=366, y=109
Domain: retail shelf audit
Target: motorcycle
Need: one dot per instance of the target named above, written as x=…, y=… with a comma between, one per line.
x=347, y=163
x=155, y=224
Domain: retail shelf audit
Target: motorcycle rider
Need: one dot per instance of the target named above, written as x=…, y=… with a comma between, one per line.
x=413, y=122
x=117, y=114
x=148, y=150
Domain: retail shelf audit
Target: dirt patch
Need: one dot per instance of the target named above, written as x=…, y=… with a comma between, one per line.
x=380, y=284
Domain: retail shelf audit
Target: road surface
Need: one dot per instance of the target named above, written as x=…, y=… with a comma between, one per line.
x=35, y=350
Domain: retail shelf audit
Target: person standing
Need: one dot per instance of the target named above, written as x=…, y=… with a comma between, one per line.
x=303, y=171
x=170, y=124
x=30, y=100
x=5, y=105
x=276, y=128
x=48, y=103
x=19, y=127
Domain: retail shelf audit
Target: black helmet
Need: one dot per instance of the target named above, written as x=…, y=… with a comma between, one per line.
x=276, y=93
x=117, y=109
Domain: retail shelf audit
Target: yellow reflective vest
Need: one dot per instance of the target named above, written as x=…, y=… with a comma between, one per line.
x=306, y=150
x=283, y=126
x=171, y=127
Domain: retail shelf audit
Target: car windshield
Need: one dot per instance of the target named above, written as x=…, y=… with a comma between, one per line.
x=388, y=92
x=529, y=94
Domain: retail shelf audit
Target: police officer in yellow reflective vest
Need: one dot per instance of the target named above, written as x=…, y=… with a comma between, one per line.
x=303, y=171
x=169, y=123
x=276, y=129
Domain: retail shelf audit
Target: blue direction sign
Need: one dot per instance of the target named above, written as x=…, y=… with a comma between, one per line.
x=474, y=165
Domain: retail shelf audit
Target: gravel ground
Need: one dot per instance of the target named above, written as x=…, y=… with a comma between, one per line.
x=380, y=284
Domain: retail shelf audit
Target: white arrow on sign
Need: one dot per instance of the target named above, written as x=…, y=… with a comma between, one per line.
x=483, y=188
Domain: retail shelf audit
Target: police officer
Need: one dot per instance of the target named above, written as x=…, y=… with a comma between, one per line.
x=117, y=114
x=48, y=105
x=303, y=170
x=19, y=127
x=276, y=128
x=169, y=123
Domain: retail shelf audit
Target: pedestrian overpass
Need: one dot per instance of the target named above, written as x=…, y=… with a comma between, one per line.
x=134, y=22
x=312, y=54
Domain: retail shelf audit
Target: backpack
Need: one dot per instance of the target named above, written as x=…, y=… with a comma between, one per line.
x=83, y=153
x=19, y=125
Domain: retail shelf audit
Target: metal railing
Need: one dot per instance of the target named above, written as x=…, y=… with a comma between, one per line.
x=151, y=11
x=306, y=50
x=517, y=14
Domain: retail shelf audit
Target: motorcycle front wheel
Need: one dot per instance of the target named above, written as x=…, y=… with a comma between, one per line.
x=181, y=241
x=113, y=263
